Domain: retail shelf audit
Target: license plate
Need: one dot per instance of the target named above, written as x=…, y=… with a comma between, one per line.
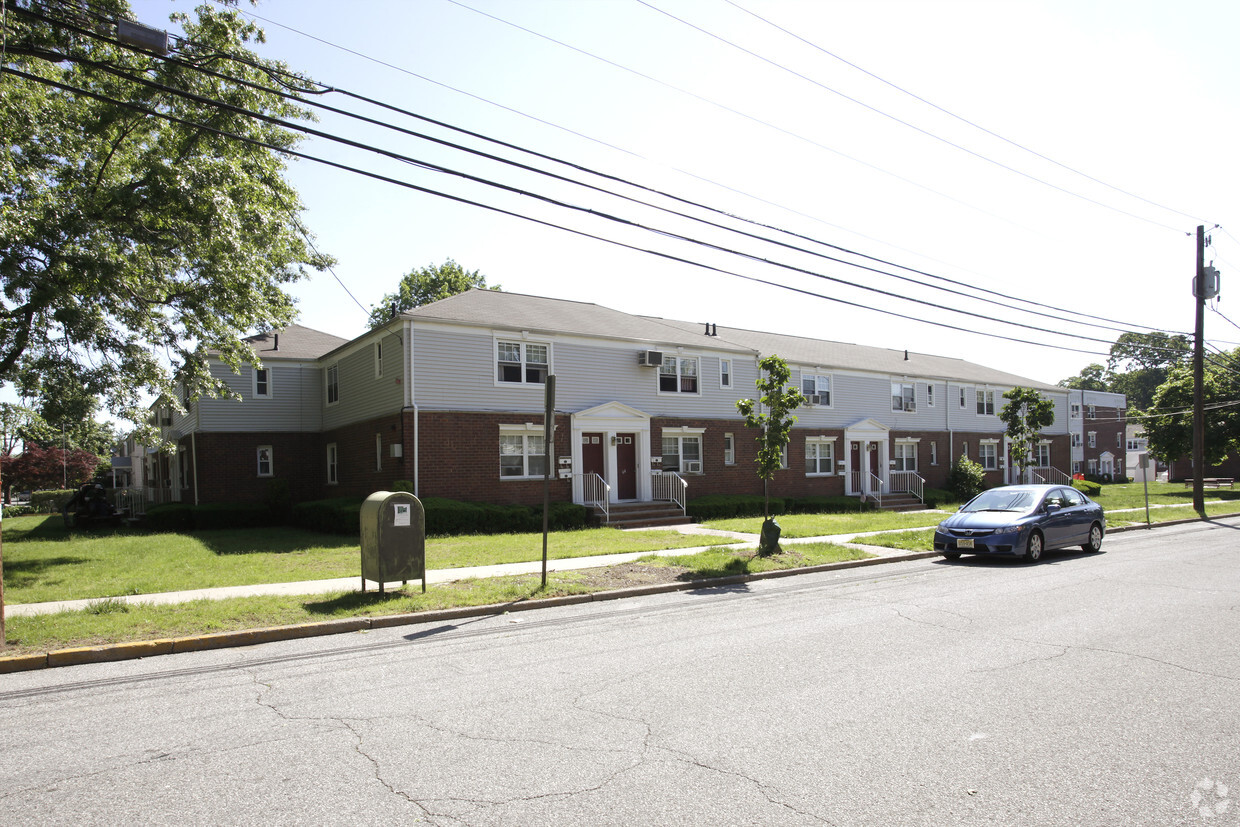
x=964, y=544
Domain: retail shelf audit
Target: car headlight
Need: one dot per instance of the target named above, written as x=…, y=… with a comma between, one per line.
x=1014, y=528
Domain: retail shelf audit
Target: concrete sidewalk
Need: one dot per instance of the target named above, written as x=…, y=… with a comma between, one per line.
x=347, y=584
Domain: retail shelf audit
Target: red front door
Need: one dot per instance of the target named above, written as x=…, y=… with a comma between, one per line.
x=592, y=455
x=626, y=466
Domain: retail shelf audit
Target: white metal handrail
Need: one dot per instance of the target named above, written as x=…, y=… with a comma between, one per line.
x=1050, y=475
x=908, y=482
x=876, y=489
x=597, y=493
x=670, y=486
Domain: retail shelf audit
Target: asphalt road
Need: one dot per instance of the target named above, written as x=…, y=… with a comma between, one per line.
x=1085, y=690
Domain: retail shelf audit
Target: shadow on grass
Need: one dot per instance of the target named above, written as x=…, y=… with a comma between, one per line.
x=26, y=573
x=269, y=540
x=352, y=601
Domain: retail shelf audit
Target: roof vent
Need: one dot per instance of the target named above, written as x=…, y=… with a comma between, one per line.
x=276, y=336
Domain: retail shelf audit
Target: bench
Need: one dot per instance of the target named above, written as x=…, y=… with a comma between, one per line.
x=1215, y=482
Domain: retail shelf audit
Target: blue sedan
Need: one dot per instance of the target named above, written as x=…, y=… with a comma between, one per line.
x=1023, y=520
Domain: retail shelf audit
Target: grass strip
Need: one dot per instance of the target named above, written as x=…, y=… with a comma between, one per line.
x=115, y=621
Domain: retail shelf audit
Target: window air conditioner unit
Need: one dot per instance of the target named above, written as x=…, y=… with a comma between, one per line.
x=911, y=407
x=650, y=358
x=814, y=399
x=693, y=467
x=397, y=450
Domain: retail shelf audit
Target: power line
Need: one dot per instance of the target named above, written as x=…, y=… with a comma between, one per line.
x=937, y=277
x=964, y=120
x=499, y=210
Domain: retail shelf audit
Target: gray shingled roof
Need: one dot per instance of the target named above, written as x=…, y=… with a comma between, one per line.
x=516, y=311
x=295, y=342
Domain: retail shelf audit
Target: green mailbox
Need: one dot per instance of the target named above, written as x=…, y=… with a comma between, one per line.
x=393, y=539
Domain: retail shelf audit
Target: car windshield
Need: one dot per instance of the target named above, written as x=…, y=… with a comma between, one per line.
x=1000, y=500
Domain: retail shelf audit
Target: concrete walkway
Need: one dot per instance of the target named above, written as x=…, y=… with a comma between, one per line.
x=347, y=584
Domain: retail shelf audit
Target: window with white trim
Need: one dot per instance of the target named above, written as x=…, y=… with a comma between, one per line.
x=521, y=453
x=964, y=397
x=332, y=467
x=1093, y=439
x=903, y=397
x=905, y=456
x=988, y=455
x=1076, y=440
x=682, y=453
x=262, y=383
x=1091, y=412
x=1076, y=466
x=1119, y=440
x=819, y=456
x=1091, y=466
x=266, y=465
x=332, y=380
x=934, y=453
x=929, y=396
x=725, y=373
x=378, y=360
x=985, y=403
x=1074, y=411
x=522, y=363
x=678, y=374
x=817, y=389
x=729, y=449
x=1043, y=459
x=783, y=458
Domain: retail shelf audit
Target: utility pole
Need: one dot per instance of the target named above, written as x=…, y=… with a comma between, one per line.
x=1199, y=420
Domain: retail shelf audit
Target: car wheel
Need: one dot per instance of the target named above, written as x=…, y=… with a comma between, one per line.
x=1033, y=549
x=1095, y=539
x=952, y=555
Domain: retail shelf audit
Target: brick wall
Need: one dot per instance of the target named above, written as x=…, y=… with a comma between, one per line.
x=228, y=465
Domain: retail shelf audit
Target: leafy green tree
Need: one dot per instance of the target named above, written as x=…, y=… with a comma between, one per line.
x=140, y=227
x=774, y=431
x=1168, y=424
x=1140, y=362
x=1025, y=415
x=1092, y=377
x=425, y=285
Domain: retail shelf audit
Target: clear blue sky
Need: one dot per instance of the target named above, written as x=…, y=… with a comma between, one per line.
x=1139, y=95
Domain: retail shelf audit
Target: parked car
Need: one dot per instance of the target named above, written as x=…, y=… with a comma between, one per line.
x=1023, y=520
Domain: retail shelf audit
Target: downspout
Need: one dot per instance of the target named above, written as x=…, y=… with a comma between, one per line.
x=193, y=452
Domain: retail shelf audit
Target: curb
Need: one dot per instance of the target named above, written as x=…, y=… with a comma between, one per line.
x=250, y=637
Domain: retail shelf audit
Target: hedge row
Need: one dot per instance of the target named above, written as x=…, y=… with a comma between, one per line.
x=342, y=516
x=185, y=517
x=723, y=506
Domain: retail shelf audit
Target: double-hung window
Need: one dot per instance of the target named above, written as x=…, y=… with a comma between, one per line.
x=333, y=384
x=905, y=458
x=522, y=362
x=903, y=397
x=819, y=456
x=988, y=455
x=1074, y=411
x=985, y=403
x=1091, y=412
x=265, y=462
x=678, y=374
x=332, y=467
x=817, y=389
x=521, y=452
x=964, y=397
x=1076, y=440
x=1093, y=439
x=729, y=449
x=725, y=373
x=378, y=360
x=1043, y=459
x=262, y=383
x=682, y=454
x=929, y=396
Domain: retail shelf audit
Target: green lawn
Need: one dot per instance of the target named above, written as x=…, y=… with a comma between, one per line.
x=43, y=562
x=111, y=621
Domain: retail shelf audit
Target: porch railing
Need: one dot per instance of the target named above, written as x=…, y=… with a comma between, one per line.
x=908, y=482
x=1049, y=476
x=670, y=486
x=597, y=493
x=876, y=489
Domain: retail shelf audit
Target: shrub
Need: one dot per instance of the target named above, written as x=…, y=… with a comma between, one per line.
x=339, y=515
x=827, y=505
x=1087, y=487
x=724, y=506
x=279, y=502
x=230, y=515
x=50, y=502
x=966, y=479
x=403, y=485
x=18, y=510
x=169, y=517
x=938, y=497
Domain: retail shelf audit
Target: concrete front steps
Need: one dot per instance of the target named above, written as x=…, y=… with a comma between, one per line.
x=901, y=502
x=644, y=515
